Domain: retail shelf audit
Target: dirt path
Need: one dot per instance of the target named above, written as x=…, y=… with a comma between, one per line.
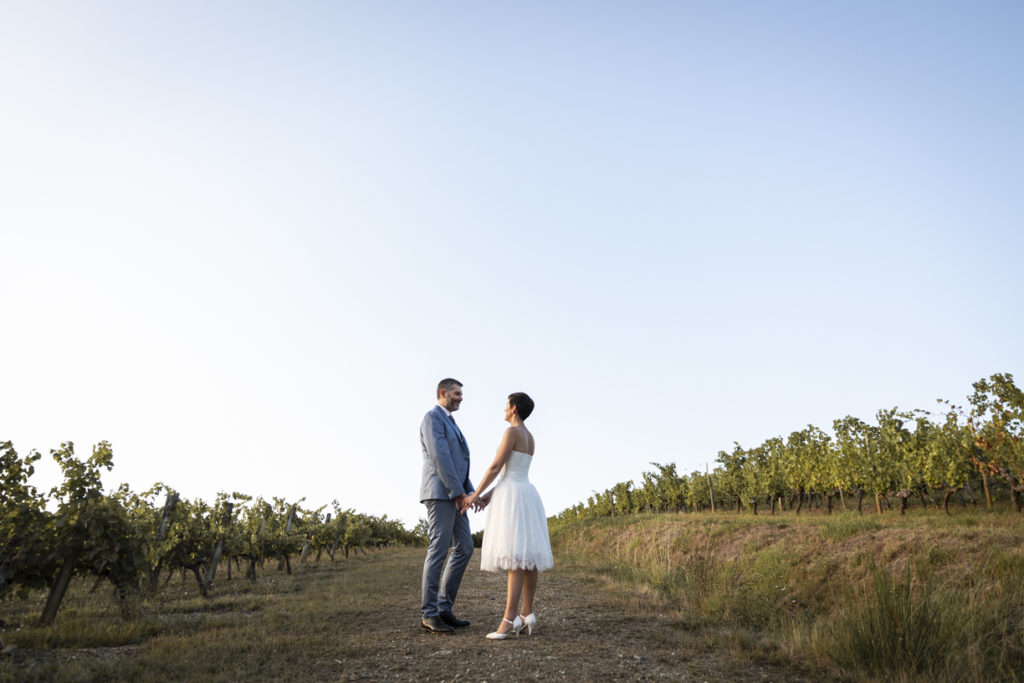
x=358, y=619
x=585, y=633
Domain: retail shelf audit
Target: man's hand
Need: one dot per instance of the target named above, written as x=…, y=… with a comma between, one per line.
x=461, y=504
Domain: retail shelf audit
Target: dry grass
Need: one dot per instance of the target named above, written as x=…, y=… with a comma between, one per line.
x=814, y=585
x=358, y=619
x=274, y=628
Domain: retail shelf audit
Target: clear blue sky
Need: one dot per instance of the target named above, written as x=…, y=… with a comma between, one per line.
x=243, y=241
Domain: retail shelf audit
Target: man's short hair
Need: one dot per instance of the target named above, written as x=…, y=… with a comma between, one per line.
x=522, y=403
x=447, y=384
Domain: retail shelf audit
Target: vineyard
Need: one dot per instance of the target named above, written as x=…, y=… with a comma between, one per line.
x=135, y=540
x=967, y=452
x=687, y=591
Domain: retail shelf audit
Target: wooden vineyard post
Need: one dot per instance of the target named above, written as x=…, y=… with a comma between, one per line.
x=218, y=550
x=58, y=589
x=165, y=518
x=250, y=573
x=309, y=542
x=283, y=563
x=711, y=490
x=988, y=494
x=320, y=544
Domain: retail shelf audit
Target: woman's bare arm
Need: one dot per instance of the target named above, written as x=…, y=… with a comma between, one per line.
x=508, y=441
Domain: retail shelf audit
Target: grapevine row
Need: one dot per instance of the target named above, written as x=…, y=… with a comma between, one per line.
x=132, y=539
x=904, y=454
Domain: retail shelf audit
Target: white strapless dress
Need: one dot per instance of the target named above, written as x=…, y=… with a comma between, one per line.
x=516, y=528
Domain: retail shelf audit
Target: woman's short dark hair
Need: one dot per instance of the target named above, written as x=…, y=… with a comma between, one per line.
x=522, y=403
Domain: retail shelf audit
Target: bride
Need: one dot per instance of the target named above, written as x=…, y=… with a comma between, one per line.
x=516, y=529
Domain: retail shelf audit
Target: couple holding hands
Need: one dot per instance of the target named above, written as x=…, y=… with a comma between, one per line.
x=515, y=530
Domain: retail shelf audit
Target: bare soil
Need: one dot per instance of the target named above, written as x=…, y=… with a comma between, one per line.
x=587, y=631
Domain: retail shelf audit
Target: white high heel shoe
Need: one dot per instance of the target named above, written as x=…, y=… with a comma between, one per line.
x=529, y=621
x=517, y=626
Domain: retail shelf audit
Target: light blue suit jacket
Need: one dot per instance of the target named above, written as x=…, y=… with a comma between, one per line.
x=445, y=458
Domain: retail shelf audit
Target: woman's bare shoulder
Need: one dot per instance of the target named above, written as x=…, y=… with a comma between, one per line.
x=515, y=434
x=523, y=439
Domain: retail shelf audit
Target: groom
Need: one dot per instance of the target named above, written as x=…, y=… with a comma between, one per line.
x=444, y=487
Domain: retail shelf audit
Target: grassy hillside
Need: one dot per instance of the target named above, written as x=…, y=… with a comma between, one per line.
x=925, y=595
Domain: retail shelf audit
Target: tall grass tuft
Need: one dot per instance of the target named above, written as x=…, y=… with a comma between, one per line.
x=841, y=527
x=893, y=628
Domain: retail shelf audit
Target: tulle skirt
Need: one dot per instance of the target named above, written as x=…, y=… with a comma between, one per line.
x=516, y=529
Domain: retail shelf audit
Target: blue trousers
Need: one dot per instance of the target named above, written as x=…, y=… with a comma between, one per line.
x=447, y=529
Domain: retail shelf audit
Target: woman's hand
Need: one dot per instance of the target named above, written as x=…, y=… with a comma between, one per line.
x=480, y=502
x=469, y=502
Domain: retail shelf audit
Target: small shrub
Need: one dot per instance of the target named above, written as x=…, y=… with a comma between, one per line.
x=1007, y=567
x=761, y=598
x=939, y=556
x=893, y=628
